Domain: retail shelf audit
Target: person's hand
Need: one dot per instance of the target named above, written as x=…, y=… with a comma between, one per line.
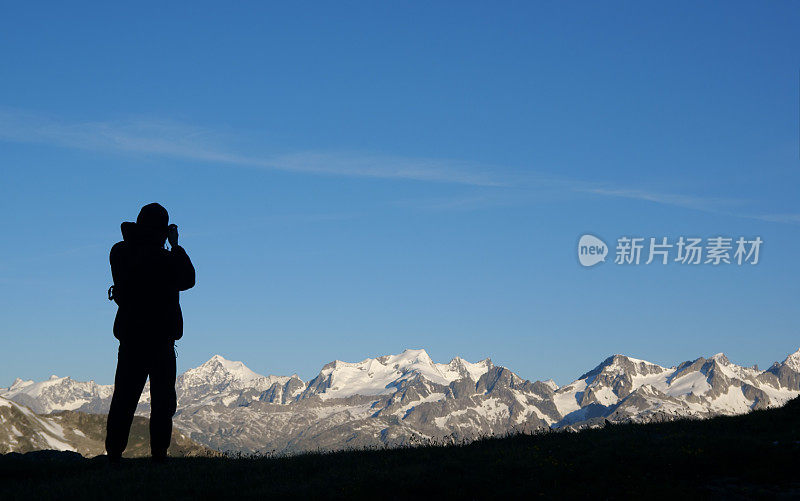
x=172, y=235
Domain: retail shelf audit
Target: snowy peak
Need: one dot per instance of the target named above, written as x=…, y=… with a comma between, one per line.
x=721, y=359
x=551, y=384
x=56, y=393
x=458, y=368
x=621, y=364
x=234, y=369
x=720, y=365
x=383, y=375
x=20, y=383
x=793, y=361
x=220, y=373
x=408, y=361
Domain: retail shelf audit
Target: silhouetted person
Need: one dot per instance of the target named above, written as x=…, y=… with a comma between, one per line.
x=147, y=281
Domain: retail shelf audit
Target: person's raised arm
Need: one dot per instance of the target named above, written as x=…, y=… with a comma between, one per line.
x=182, y=265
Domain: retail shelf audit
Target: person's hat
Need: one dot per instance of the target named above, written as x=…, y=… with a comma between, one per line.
x=153, y=216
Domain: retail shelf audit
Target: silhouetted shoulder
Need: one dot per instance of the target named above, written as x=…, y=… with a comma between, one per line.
x=116, y=256
x=118, y=247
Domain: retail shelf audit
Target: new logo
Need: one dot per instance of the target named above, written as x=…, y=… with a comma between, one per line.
x=591, y=250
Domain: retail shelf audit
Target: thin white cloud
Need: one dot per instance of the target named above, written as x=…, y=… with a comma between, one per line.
x=186, y=142
x=155, y=137
x=457, y=203
x=712, y=205
x=707, y=204
x=421, y=169
x=779, y=218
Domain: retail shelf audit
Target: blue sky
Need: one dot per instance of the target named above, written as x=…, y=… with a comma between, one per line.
x=354, y=179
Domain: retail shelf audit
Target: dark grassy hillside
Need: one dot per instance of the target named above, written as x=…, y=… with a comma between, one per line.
x=756, y=455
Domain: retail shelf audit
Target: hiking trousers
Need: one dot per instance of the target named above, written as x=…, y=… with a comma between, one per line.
x=135, y=362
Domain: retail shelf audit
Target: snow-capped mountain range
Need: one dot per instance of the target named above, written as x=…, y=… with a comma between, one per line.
x=407, y=398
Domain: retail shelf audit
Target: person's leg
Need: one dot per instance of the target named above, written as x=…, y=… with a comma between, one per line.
x=128, y=384
x=163, y=400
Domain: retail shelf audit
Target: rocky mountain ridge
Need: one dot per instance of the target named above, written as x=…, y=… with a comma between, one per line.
x=22, y=430
x=408, y=398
